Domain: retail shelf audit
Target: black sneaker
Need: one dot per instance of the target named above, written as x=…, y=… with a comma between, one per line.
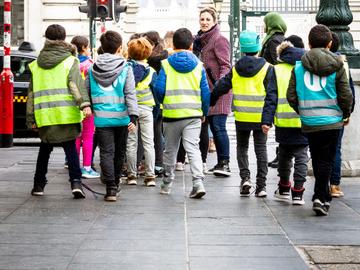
x=77, y=191
x=245, y=187
x=283, y=192
x=111, y=194
x=319, y=208
x=327, y=206
x=297, y=196
x=223, y=169
x=38, y=189
x=214, y=168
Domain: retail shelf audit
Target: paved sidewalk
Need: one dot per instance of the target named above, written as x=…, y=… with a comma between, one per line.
x=146, y=230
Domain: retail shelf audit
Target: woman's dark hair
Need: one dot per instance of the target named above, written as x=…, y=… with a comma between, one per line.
x=80, y=42
x=110, y=41
x=154, y=38
x=182, y=39
x=335, y=42
x=319, y=36
x=55, y=32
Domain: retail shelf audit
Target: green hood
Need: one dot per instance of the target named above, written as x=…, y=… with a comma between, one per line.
x=274, y=23
x=321, y=62
x=54, y=52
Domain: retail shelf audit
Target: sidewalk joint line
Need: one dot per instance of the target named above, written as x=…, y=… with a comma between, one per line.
x=186, y=225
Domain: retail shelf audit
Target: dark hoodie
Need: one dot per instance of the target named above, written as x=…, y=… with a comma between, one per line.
x=106, y=70
x=140, y=72
x=182, y=62
x=52, y=54
x=246, y=66
x=294, y=136
x=322, y=62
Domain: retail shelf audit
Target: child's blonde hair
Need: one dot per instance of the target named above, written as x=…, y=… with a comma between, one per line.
x=139, y=49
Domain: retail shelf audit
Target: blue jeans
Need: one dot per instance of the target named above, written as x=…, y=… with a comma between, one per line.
x=336, y=171
x=221, y=138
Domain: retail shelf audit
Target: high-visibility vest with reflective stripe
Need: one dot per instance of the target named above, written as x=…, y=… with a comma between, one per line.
x=285, y=116
x=317, y=98
x=183, y=94
x=53, y=102
x=248, y=95
x=108, y=102
x=143, y=91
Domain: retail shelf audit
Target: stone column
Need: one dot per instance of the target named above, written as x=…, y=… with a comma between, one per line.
x=336, y=14
x=129, y=26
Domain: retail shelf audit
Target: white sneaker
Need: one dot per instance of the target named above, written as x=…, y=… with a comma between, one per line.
x=179, y=166
x=205, y=169
x=165, y=187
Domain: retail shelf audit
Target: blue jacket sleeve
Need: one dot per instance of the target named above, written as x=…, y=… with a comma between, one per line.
x=160, y=86
x=205, y=93
x=271, y=98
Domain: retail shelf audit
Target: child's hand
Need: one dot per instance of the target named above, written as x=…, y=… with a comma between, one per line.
x=131, y=127
x=87, y=112
x=346, y=121
x=265, y=129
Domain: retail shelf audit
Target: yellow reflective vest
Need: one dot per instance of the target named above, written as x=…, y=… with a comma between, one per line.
x=248, y=95
x=285, y=116
x=53, y=102
x=183, y=94
x=143, y=92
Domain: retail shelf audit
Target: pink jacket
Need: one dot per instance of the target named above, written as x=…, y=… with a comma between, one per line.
x=85, y=65
x=215, y=54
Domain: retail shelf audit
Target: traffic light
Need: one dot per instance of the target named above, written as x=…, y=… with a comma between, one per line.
x=89, y=8
x=104, y=10
x=118, y=9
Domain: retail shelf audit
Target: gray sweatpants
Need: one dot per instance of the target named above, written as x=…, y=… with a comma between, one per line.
x=187, y=130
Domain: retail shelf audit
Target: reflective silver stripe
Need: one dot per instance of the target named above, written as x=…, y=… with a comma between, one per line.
x=54, y=104
x=142, y=92
x=107, y=99
x=282, y=101
x=146, y=98
x=194, y=106
x=183, y=92
x=317, y=103
x=104, y=114
x=248, y=109
x=51, y=92
x=320, y=112
x=249, y=98
x=286, y=115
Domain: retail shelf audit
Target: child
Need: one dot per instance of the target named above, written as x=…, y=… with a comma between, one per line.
x=138, y=51
x=86, y=137
x=249, y=79
x=56, y=80
x=183, y=90
x=335, y=179
x=319, y=92
x=292, y=142
x=112, y=88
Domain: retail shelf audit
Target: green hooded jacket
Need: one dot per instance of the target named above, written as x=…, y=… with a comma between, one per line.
x=275, y=28
x=53, y=53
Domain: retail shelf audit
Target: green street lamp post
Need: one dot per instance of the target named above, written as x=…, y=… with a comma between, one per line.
x=336, y=14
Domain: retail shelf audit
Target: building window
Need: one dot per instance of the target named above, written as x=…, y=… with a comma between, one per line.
x=17, y=22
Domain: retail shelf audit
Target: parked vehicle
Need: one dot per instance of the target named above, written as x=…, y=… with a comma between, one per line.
x=20, y=60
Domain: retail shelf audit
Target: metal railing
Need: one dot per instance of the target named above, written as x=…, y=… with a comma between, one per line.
x=281, y=6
